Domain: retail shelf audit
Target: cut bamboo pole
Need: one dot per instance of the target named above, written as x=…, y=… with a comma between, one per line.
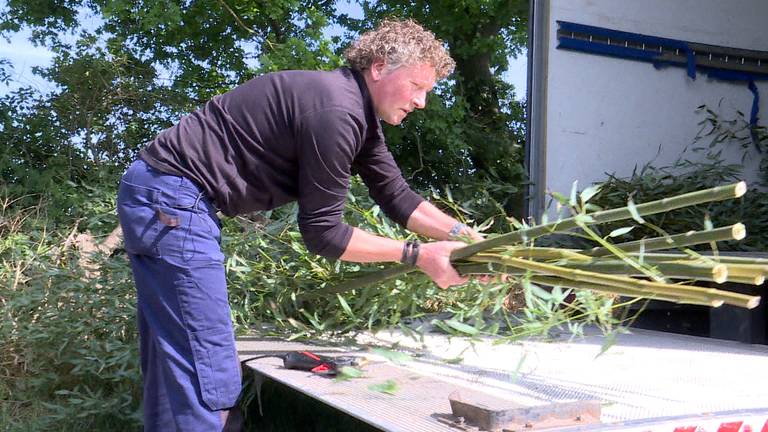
x=755, y=273
x=716, y=273
x=566, y=283
x=541, y=253
x=722, y=258
x=693, y=198
x=485, y=268
x=509, y=253
x=701, y=270
x=360, y=281
x=740, y=272
x=732, y=232
x=648, y=287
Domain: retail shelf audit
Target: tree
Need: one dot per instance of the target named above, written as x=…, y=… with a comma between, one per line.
x=146, y=63
x=473, y=131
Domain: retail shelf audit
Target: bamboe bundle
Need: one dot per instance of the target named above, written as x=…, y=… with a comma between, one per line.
x=628, y=269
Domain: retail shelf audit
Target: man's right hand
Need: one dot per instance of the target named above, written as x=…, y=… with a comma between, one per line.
x=435, y=260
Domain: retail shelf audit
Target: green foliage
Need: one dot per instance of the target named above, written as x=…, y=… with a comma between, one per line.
x=69, y=357
x=124, y=70
x=689, y=174
x=470, y=136
x=146, y=63
x=70, y=332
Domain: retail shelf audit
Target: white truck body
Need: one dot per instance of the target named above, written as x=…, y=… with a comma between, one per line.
x=593, y=114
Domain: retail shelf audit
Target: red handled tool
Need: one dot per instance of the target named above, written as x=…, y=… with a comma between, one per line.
x=311, y=362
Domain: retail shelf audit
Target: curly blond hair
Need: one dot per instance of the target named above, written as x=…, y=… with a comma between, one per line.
x=400, y=43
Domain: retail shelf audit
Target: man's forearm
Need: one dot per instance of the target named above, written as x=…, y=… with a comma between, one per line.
x=430, y=221
x=433, y=258
x=367, y=247
x=426, y=220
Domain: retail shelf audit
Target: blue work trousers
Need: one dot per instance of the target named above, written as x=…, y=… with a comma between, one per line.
x=188, y=357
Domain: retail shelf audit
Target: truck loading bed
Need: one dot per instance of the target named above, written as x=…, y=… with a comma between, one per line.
x=647, y=380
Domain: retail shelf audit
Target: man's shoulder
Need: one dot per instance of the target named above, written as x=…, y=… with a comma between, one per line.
x=333, y=91
x=316, y=81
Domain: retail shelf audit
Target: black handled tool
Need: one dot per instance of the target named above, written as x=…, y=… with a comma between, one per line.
x=311, y=362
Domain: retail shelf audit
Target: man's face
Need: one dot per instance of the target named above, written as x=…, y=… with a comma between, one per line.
x=397, y=92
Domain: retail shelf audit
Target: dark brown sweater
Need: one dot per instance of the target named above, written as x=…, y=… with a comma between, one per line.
x=288, y=136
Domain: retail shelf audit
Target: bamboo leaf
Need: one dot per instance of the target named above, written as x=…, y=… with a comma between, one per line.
x=633, y=211
x=609, y=341
x=461, y=327
x=345, y=306
x=588, y=193
x=388, y=387
x=539, y=292
x=574, y=190
x=393, y=356
x=620, y=231
x=347, y=373
x=516, y=373
x=562, y=199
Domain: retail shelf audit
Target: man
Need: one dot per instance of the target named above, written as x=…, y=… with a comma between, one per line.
x=286, y=136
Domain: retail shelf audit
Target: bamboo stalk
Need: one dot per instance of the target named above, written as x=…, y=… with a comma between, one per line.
x=508, y=259
x=756, y=273
x=693, y=198
x=716, y=273
x=732, y=232
x=361, y=281
x=753, y=274
x=650, y=288
x=541, y=253
x=626, y=292
x=725, y=259
x=485, y=268
x=719, y=273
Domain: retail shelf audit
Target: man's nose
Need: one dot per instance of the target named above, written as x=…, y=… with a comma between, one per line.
x=420, y=100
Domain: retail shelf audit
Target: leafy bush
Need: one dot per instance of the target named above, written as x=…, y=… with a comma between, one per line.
x=70, y=351
x=685, y=175
x=68, y=326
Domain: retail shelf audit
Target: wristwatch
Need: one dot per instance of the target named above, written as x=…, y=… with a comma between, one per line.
x=456, y=230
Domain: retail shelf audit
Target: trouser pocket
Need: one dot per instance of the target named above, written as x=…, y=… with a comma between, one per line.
x=218, y=368
x=138, y=218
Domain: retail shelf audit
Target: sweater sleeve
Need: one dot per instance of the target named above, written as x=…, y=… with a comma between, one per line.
x=328, y=141
x=385, y=181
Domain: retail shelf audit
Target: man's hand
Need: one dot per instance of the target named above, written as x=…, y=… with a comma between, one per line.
x=435, y=260
x=475, y=236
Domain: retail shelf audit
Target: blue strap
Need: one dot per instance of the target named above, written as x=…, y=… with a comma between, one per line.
x=617, y=34
x=652, y=56
x=691, y=63
x=610, y=50
x=729, y=75
x=753, y=115
x=755, y=102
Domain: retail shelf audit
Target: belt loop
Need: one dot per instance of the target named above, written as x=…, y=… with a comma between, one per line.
x=197, y=201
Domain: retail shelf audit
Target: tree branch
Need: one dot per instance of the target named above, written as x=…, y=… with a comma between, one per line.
x=237, y=18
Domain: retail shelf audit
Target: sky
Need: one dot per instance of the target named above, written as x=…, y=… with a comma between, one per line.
x=24, y=56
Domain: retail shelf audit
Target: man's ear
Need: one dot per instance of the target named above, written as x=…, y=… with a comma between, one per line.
x=378, y=68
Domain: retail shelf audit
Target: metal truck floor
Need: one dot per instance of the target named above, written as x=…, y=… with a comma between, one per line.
x=644, y=375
